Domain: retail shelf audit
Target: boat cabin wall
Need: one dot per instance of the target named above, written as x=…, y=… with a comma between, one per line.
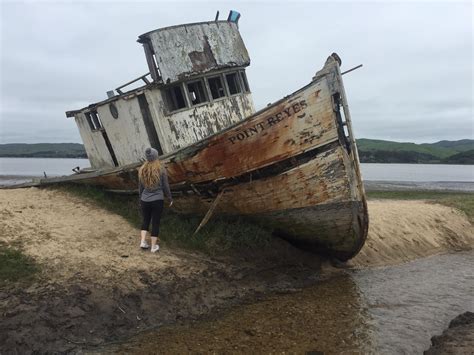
x=185, y=127
x=117, y=133
x=94, y=143
x=126, y=131
x=186, y=50
x=114, y=134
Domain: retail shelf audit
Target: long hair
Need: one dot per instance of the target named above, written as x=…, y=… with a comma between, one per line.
x=149, y=173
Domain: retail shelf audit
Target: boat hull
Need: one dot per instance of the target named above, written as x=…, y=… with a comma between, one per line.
x=292, y=166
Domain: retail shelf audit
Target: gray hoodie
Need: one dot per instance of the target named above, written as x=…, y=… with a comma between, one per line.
x=156, y=193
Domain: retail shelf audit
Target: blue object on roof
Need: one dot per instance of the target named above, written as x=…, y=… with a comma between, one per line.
x=233, y=16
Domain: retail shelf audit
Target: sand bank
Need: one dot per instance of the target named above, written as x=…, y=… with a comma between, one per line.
x=76, y=238
x=401, y=231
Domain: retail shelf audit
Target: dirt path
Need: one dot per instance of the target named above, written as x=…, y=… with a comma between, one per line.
x=96, y=286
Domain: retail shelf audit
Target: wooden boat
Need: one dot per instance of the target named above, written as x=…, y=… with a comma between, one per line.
x=292, y=166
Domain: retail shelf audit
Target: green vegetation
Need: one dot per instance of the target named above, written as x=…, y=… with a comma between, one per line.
x=461, y=200
x=43, y=150
x=461, y=158
x=219, y=235
x=370, y=151
x=15, y=266
x=446, y=152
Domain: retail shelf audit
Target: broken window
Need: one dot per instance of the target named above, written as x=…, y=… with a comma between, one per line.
x=96, y=120
x=233, y=83
x=197, y=93
x=89, y=120
x=93, y=119
x=244, y=81
x=175, y=98
x=217, y=87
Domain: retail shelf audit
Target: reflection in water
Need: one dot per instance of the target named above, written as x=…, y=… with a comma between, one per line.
x=321, y=318
x=395, y=309
x=410, y=303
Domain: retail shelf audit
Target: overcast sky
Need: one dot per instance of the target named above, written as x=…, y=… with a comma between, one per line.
x=416, y=84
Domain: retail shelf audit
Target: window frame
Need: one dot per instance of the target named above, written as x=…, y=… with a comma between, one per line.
x=224, y=89
x=239, y=74
x=168, y=97
x=236, y=73
x=244, y=80
x=94, y=121
x=205, y=92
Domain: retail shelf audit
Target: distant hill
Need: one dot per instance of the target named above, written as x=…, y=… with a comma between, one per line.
x=460, y=146
x=466, y=157
x=370, y=151
x=43, y=150
x=445, y=152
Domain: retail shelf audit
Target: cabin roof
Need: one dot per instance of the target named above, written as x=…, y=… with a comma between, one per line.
x=143, y=37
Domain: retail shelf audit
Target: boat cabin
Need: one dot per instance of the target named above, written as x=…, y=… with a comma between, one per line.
x=195, y=86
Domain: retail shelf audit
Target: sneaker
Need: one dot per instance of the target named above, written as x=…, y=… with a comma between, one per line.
x=144, y=245
x=155, y=248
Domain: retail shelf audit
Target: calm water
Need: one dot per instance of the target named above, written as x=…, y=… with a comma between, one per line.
x=389, y=310
x=17, y=170
x=418, y=172
x=418, y=175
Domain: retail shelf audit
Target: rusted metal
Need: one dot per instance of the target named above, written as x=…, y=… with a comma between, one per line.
x=142, y=77
x=352, y=69
x=285, y=166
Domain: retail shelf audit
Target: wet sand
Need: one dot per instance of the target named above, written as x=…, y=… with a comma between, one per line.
x=97, y=286
x=457, y=339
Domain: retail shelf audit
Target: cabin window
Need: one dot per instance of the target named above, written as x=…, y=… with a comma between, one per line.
x=89, y=120
x=96, y=120
x=197, y=93
x=244, y=81
x=216, y=86
x=175, y=98
x=93, y=119
x=233, y=83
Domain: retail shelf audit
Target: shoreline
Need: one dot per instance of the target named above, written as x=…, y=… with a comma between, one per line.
x=96, y=287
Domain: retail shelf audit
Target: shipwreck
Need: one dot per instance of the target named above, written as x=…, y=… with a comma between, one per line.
x=292, y=166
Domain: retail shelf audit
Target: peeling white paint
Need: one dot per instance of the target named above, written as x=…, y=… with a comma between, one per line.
x=94, y=144
x=182, y=51
x=127, y=133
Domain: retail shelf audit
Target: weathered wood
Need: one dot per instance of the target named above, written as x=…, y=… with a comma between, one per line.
x=209, y=212
x=289, y=166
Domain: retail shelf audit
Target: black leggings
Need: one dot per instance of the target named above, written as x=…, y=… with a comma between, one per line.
x=151, y=211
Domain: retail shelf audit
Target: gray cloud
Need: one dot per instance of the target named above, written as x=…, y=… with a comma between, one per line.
x=416, y=84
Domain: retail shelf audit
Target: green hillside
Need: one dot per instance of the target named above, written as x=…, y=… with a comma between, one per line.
x=446, y=152
x=370, y=151
x=43, y=150
x=466, y=157
x=462, y=145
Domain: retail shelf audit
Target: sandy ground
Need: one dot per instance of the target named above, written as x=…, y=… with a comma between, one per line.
x=401, y=231
x=97, y=286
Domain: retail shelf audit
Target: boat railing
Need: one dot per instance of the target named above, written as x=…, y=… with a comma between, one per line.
x=143, y=78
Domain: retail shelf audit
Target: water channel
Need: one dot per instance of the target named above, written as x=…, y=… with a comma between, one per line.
x=389, y=310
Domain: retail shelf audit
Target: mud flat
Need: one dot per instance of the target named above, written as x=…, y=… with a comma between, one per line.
x=457, y=339
x=96, y=286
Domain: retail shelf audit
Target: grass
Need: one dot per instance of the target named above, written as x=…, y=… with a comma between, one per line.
x=461, y=200
x=219, y=235
x=226, y=235
x=15, y=266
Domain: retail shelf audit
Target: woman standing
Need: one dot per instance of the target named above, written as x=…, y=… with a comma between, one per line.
x=153, y=185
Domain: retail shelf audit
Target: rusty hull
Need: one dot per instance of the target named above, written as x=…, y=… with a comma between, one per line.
x=289, y=166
